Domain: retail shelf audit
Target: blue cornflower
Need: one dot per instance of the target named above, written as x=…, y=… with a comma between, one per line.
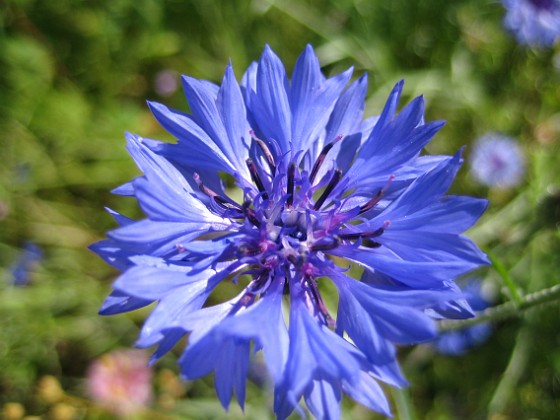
x=497, y=161
x=322, y=189
x=533, y=22
x=458, y=342
x=21, y=269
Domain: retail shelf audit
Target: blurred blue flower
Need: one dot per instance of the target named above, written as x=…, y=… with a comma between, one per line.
x=458, y=342
x=497, y=161
x=28, y=258
x=321, y=188
x=166, y=82
x=533, y=22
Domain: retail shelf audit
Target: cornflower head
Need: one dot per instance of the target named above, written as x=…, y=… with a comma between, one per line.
x=21, y=270
x=533, y=22
x=322, y=189
x=497, y=161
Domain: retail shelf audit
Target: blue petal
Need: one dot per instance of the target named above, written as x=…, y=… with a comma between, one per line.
x=156, y=238
x=419, y=166
x=176, y=310
x=314, y=352
x=154, y=283
x=393, y=143
x=232, y=110
x=431, y=246
x=170, y=338
x=388, y=137
x=249, y=83
x=119, y=218
x=222, y=118
x=389, y=161
x=367, y=392
x=312, y=99
x=389, y=110
x=222, y=342
x=126, y=190
x=359, y=325
x=211, y=247
x=270, y=105
x=323, y=400
x=231, y=371
x=163, y=192
x=394, y=315
x=451, y=214
x=272, y=336
x=167, y=315
x=389, y=373
x=404, y=325
x=423, y=275
x=200, y=359
x=118, y=302
x=424, y=191
x=114, y=253
x=194, y=142
x=348, y=112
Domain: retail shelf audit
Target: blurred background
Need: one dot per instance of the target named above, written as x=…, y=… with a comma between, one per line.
x=75, y=75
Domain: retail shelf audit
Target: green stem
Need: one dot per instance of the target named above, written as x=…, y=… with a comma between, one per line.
x=506, y=310
x=403, y=403
x=512, y=374
x=506, y=278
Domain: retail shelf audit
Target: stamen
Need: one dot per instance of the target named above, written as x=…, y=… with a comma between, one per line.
x=332, y=183
x=256, y=178
x=321, y=158
x=357, y=235
x=266, y=152
x=378, y=197
x=290, y=187
x=261, y=283
x=320, y=302
x=366, y=236
x=257, y=286
x=370, y=244
x=250, y=214
x=224, y=202
x=326, y=244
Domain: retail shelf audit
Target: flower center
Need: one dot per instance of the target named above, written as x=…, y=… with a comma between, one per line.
x=289, y=220
x=291, y=215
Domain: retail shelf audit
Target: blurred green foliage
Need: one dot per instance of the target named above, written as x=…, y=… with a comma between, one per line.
x=74, y=76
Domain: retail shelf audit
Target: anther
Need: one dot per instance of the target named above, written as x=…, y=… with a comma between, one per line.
x=332, y=183
x=290, y=187
x=256, y=178
x=378, y=197
x=266, y=152
x=365, y=237
x=326, y=244
x=357, y=235
x=223, y=202
x=250, y=214
x=321, y=158
x=320, y=302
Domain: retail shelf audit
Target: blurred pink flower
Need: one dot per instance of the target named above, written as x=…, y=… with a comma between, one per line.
x=121, y=381
x=166, y=82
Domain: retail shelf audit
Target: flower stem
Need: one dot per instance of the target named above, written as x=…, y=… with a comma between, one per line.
x=506, y=310
x=403, y=403
x=506, y=278
x=512, y=374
